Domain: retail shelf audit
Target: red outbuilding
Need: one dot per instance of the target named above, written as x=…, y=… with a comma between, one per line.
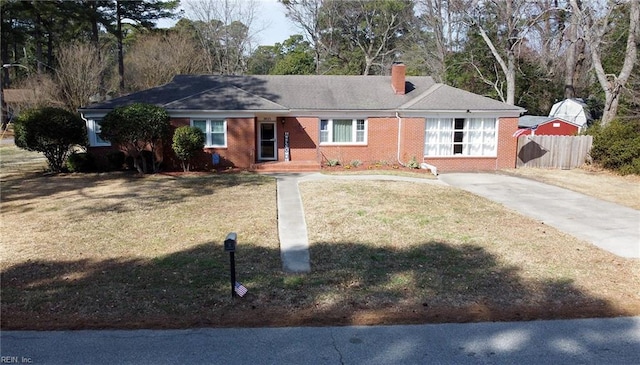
x=545, y=126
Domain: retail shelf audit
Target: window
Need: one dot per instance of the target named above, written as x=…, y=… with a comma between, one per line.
x=215, y=131
x=94, y=134
x=459, y=136
x=343, y=131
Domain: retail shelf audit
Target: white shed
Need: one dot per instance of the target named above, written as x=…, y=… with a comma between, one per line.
x=572, y=110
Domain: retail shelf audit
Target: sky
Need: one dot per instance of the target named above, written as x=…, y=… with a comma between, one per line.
x=273, y=24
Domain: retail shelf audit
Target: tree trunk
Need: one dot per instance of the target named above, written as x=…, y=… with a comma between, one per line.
x=611, y=84
x=508, y=68
x=511, y=78
x=120, y=47
x=570, y=62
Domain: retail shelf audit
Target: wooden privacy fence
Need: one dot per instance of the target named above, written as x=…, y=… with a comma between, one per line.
x=558, y=152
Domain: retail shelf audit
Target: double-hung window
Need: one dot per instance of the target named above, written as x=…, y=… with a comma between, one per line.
x=95, y=139
x=460, y=136
x=343, y=131
x=215, y=131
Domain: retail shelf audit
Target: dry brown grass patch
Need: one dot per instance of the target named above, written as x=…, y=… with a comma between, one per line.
x=120, y=251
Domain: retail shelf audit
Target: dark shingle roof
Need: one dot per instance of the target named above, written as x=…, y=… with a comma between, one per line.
x=304, y=92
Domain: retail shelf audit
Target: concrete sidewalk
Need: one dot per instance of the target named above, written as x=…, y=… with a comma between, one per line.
x=583, y=341
x=610, y=226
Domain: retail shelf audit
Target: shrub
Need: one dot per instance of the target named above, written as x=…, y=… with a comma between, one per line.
x=137, y=127
x=80, y=162
x=333, y=162
x=617, y=146
x=52, y=131
x=187, y=141
x=413, y=163
x=355, y=163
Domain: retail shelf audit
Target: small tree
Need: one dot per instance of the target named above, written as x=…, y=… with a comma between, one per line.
x=136, y=128
x=186, y=142
x=52, y=131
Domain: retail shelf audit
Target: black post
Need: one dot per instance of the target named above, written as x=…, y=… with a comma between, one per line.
x=230, y=246
x=232, y=261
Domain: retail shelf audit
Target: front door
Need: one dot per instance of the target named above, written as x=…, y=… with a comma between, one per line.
x=267, y=143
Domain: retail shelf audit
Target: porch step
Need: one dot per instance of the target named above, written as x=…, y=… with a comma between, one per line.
x=286, y=166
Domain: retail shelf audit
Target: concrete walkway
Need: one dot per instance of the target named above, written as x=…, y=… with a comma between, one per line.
x=583, y=341
x=610, y=226
x=292, y=228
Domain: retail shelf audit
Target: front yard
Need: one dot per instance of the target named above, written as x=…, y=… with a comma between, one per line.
x=120, y=251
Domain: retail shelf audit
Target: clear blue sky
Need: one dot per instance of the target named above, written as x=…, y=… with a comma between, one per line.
x=271, y=22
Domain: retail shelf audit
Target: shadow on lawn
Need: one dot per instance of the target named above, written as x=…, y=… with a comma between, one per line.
x=350, y=283
x=148, y=191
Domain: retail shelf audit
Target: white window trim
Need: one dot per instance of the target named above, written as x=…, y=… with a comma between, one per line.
x=93, y=133
x=464, y=143
x=354, y=124
x=207, y=141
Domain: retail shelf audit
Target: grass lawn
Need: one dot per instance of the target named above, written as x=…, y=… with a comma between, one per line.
x=120, y=251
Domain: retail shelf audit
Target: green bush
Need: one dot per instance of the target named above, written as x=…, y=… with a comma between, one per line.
x=52, y=131
x=187, y=141
x=617, y=146
x=137, y=127
x=80, y=162
x=355, y=163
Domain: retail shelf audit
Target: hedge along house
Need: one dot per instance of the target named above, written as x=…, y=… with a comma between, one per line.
x=298, y=122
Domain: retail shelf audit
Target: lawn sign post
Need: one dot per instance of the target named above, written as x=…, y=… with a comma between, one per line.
x=230, y=246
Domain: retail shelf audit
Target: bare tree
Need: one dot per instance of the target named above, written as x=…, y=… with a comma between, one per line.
x=305, y=14
x=373, y=27
x=503, y=25
x=156, y=58
x=435, y=18
x=225, y=30
x=79, y=72
x=42, y=92
x=594, y=28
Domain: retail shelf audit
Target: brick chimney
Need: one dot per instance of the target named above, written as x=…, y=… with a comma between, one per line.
x=397, y=78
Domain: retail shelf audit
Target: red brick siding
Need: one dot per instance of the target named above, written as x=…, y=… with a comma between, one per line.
x=239, y=152
x=412, y=142
x=382, y=134
x=304, y=134
x=303, y=137
x=507, y=144
x=506, y=152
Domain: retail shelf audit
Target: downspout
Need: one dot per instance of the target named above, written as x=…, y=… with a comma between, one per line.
x=89, y=133
x=399, y=131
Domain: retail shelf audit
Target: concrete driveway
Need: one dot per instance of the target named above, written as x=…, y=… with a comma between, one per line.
x=610, y=226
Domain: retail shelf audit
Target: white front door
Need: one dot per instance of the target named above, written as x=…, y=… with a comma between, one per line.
x=267, y=142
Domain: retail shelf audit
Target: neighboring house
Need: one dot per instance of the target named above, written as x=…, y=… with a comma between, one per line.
x=16, y=100
x=545, y=126
x=574, y=111
x=252, y=120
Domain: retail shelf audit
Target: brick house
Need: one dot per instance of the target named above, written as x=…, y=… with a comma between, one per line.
x=307, y=120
